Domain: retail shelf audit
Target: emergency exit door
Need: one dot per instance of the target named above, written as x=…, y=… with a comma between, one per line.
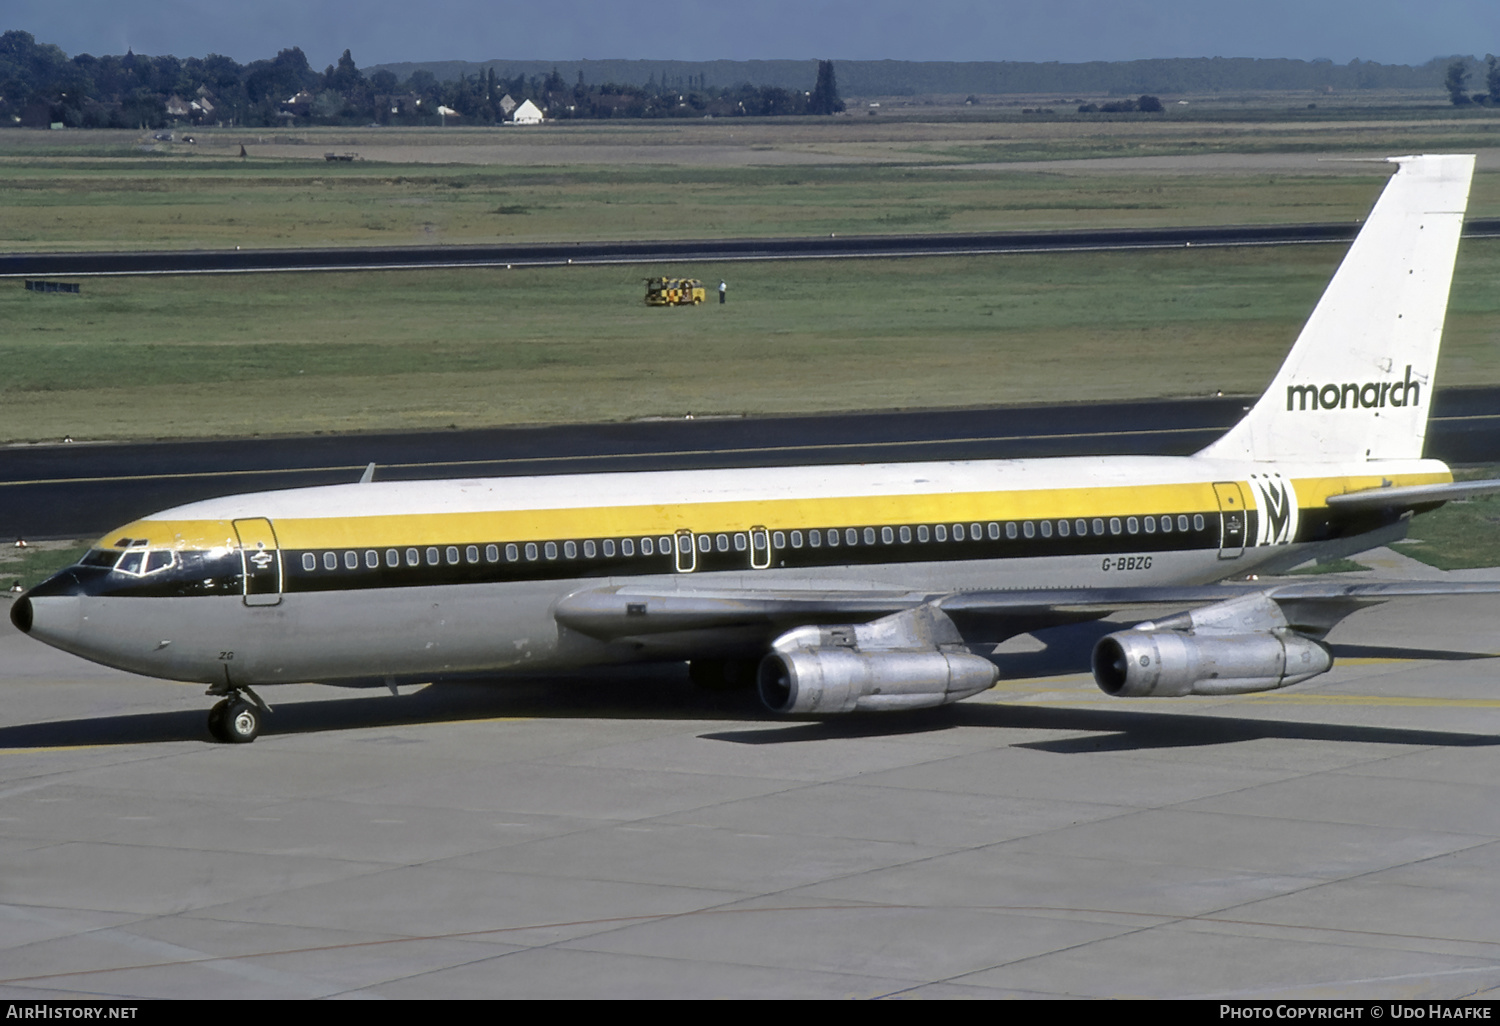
x=1232, y=521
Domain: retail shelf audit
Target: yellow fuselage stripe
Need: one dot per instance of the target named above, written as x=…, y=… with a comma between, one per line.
x=380, y=530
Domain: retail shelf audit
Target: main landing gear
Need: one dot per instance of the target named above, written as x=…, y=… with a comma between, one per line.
x=238, y=717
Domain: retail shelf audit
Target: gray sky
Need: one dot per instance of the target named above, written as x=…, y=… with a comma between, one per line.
x=379, y=31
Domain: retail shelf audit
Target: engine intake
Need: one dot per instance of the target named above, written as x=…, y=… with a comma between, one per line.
x=1171, y=664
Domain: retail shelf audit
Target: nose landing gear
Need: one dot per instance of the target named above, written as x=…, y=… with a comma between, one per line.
x=234, y=721
x=237, y=717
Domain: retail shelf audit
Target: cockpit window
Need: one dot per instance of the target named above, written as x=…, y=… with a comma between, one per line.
x=131, y=562
x=100, y=557
x=159, y=559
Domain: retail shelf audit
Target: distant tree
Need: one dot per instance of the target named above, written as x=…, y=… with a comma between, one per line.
x=345, y=78
x=1457, y=83
x=1149, y=104
x=825, y=95
x=1492, y=77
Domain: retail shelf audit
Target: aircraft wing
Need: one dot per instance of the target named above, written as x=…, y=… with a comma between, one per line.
x=627, y=611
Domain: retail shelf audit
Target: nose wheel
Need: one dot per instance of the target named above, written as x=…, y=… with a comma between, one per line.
x=237, y=718
x=234, y=721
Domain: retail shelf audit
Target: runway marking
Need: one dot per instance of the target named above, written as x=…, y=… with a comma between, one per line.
x=1153, y=919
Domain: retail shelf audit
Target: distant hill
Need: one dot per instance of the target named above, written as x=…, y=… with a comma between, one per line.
x=906, y=78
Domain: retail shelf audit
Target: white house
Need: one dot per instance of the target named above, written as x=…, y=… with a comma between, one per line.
x=526, y=114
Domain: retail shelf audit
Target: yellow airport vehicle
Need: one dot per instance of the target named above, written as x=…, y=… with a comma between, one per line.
x=674, y=292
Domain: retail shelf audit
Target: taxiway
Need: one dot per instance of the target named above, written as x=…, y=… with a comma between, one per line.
x=624, y=836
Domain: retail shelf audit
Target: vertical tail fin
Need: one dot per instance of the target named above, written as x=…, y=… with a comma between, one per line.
x=1358, y=383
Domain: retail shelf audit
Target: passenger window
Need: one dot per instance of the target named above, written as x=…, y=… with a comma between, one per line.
x=588, y=550
x=869, y=536
x=1099, y=526
x=1114, y=525
x=705, y=543
x=1197, y=521
x=512, y=552
x=1028, y=529
x=492, y=553
x=372, y=559
x=922, y=533
x=739, y=543
x=1182, y=522
x=550, y=550
x=905, y=535
x=778, y=539
x=330, y=561
x=887, y=536
x=413, y=557
x=1166, y=524
x=1081, y=527
x=722, y=543
x=351, y=560
x=531, y=550
x=648, y=547
x=570, y=549
x=309, y=561
x=609, y=547
x=471, y=554
x=994, y=531
x=627, y=547
x=452, y=554
x=958, y=532
x=851, y=536
x=796, y=539
x=940, y=532
x=1046, y=526
x=664, y=545
x=815, y=538
x=833, y=537
x=1010, y=530
x=392, y=558
x=1150, y=525
x=976, y=531
x=1132, y=525
x=1063, y=529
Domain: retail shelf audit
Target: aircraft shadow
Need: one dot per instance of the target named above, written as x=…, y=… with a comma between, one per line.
x=664, y=692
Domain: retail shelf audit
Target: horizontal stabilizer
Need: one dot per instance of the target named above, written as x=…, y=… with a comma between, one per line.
x=1413, y=495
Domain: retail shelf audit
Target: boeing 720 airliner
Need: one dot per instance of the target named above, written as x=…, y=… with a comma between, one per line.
x=868, y=587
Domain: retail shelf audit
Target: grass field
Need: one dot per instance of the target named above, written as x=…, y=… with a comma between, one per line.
x=103, y=190
x=166, y=204
x=289, y=354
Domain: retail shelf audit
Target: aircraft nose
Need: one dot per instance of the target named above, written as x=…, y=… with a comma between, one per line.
x=20, y=614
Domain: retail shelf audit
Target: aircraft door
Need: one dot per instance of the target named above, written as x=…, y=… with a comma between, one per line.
x=760, y=548
x=261, y=558
x=1232, y=519
x=687, y=554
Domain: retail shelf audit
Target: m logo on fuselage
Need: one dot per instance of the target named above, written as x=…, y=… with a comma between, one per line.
x=1278, y=510
x=1372, y=395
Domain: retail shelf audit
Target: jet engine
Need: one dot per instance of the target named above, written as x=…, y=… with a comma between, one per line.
x=1170, y=664
x=910, y=660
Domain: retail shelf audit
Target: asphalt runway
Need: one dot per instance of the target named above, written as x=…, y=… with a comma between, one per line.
x=830, y=247
x=621, y=835
x=81, y=490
